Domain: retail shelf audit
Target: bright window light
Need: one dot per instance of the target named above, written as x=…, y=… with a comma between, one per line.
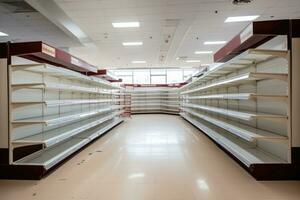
x=138, y=62
x=132, y=43
x=126, y=24
x=3, y=34
x=241, y=18
x=214, y=42
x=203, y=52
x=193, y=61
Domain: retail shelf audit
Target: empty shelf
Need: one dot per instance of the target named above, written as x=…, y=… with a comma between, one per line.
x=247, y=133
x=99, y=130
x=153, y=101
x=155, y=97
x=243, y=60
x=246, y=154
x=236, y=114
x=59, y=86
x=239, y=79
x=154, y=94
x=57, y=135
x=61, y=72
x=239, y=96
x=66, y=102
x=63, y=118
x=51, y=156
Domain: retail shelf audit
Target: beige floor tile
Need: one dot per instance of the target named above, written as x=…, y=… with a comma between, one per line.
x=150, y=157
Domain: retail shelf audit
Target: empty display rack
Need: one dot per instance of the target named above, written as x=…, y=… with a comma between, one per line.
x=53, y=112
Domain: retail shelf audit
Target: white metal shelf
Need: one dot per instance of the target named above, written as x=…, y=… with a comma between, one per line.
x=133, y=101
x=51, y=156
x=238, y=80
x=65, y=102
x=62, y=118
x=237, y=114
x=247, y=133
x=152, y=104
x=249, y=57
x=245, y=153
x=238, y=96
x=57, y=135
x=154, y=94
x=156, y=97
x=60, y=86
x=61, y=72
x=157, y=110
x=99, y=130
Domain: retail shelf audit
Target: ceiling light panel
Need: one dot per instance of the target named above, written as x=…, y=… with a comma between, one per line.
x=241, y=18
x=193, y=61
x=3, y=34
x=203, y=52
x=132, y=43
x=126, y=24
x=138, y=62
x=214, y=42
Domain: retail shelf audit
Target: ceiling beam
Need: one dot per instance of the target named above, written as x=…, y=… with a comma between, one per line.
x=57, y=16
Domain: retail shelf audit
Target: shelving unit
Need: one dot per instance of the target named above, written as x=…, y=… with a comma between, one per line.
x=53, y=112
x=247, y=116
x=154, y=100
x=242, y=151
x=58, y=105
x=239, y=80
x=239, y=96
x=243, y=106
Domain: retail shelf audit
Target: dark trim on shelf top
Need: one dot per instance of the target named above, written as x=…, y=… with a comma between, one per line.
x=171, y=85
x=256, y=34
x=103, y=73
x=44, y=53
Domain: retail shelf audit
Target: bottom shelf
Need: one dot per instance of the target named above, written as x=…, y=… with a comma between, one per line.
x=51, y=156
x=248, y=155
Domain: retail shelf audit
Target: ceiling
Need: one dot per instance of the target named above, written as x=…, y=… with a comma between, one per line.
x=169, y=28
x=23, y=23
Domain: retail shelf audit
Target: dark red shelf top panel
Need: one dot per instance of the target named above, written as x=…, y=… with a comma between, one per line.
x=173, y=85
x=41, y=52
x=256, y=34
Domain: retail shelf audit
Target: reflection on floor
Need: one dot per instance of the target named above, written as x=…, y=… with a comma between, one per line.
x=153, y=157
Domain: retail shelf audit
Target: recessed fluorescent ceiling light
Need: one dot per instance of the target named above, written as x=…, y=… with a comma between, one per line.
x=203, y=52
x=138, y=62
x=3, y=34
x=126, y=24
x=214, y=42
x=241, y=18
x=193, y=61
x=132, y=43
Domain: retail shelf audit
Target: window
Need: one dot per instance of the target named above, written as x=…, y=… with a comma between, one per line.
x=158, y=79
x=158, y=76
x=126, y=79
x=174, y=76
x=154, y=76
x=141, y=76
x=158, y=71
x=122, y=72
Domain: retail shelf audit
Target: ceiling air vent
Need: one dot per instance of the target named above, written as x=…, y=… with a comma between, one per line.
x=239, y=2
x=17, y=6
x=181, y=58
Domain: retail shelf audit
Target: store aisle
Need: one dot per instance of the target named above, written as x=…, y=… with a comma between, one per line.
x=153, y=157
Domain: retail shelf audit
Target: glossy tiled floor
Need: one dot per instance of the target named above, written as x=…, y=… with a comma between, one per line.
x=153, y=157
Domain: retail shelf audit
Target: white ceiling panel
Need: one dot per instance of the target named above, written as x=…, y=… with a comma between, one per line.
x=198, y=21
